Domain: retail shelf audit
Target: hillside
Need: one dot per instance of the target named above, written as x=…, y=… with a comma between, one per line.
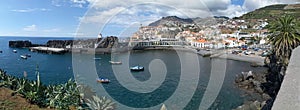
x=200, y=21
x=273, y=11
x=171, y=20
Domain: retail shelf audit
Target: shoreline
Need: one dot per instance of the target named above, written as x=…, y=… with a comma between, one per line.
x=224, y=54
x=255, y=60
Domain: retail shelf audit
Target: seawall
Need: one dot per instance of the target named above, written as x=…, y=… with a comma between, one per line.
x=288, y=97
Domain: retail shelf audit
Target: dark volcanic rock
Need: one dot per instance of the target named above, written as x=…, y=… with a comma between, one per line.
x=19, y=44
x=108, y=42
x=59, y=43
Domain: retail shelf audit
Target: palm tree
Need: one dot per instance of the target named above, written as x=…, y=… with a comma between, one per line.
x=284, y=37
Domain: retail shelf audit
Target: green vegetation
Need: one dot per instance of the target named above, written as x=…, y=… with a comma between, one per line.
x=62, y=96
x=101, y=103
x=273, y=11
x=284, y=37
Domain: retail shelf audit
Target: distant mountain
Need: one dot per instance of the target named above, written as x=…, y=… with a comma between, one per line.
x=273, y=11
x=171, y=20
x=201, y=21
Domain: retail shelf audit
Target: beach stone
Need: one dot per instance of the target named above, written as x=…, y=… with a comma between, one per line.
x=255, y=105
x=244, y=83
x=266, y=96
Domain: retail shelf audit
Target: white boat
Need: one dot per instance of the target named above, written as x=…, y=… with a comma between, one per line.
x=97, y=58
x=103, y=80
x=23, y=56
x=115, y=62
x=15, y=51
x=137, y=68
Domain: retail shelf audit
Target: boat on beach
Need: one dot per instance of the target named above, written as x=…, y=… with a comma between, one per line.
x=137, y=68
x=23, y=56
x=103, y=80
x=115, y=62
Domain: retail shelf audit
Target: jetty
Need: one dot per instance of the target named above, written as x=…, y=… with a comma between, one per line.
x=48, y=50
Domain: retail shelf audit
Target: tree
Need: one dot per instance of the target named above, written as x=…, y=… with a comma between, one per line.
x=284, y=37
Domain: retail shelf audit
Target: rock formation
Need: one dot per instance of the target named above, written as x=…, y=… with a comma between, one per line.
x=19, y=44
x=108, y=42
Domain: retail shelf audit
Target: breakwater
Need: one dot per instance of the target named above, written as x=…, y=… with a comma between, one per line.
x=99, y=45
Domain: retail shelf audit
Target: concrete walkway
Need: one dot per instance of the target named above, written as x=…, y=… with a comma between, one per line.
x=288, y=97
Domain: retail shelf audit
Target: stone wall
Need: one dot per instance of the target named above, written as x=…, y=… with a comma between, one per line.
x=288, y=97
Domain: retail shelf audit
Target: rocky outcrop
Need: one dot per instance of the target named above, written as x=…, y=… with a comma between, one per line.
x=108, y=42
x=250, y=81
x=256, y=105
x=19, y=44
x=59, y=43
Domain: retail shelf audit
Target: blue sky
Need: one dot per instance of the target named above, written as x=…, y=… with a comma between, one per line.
x=38, y=18
x=61, y=18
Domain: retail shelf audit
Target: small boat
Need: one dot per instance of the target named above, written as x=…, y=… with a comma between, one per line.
x=23, y=56
x=103, y=80
x=115, y=62
x=1, y=51
x=28, y=55
x=97, y=58
x=15, y=51
x=137, y=68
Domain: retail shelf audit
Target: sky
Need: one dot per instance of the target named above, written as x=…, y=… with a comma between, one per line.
x=88, y=18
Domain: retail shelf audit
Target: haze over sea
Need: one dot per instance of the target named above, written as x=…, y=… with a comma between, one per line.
x=56, y=69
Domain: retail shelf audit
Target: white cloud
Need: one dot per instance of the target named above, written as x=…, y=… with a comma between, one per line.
x=250, y=5
x=30, y=28
x=30, y=10
x=129, y=12
x=72, y=3
x=51, y=30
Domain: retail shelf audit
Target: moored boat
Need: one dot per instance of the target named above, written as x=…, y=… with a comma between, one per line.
x=23, y=56
x=15, y=51
x=137, y=68
x=97, y=58
x=115, y=62
x=28, y=55
x=103, y=80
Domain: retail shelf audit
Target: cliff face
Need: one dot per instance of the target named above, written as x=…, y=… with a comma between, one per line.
x=19, y=44
x=59, y=43
x=108, y=42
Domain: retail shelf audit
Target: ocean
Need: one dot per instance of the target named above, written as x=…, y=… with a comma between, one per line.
x=180, y=80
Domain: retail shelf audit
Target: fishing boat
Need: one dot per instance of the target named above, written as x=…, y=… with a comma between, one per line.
x=15, y=51
x=103, y=80
x=115, y=62
x=23, y=56
x=137, y=68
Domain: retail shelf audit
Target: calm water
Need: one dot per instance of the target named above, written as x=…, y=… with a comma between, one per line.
x=172, y=76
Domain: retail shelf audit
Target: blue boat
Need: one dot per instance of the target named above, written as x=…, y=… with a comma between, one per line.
x=137, y=68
